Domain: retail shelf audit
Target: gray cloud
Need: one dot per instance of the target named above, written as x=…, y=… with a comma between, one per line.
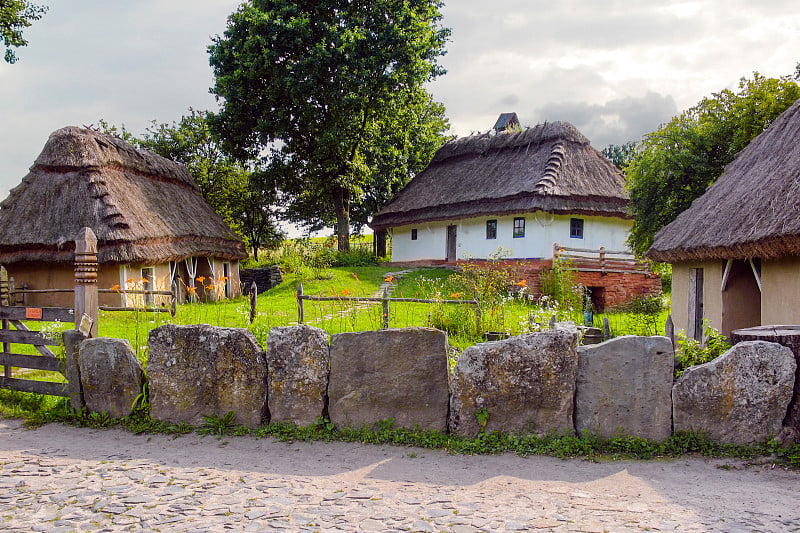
x=616, y=121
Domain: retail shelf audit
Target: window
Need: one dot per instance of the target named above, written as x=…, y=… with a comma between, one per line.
x=414, y=234
x=519, y=227
x=576, y=228
x=491, y=229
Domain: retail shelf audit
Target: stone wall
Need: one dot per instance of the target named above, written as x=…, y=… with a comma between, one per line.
x=537, y=383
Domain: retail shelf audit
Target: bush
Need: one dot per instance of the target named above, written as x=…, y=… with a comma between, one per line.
x=355, y=257
x=691, y=352
x=559, y=285
x=643, y=315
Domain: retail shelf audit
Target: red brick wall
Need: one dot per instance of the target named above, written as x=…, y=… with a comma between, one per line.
x=612, y=289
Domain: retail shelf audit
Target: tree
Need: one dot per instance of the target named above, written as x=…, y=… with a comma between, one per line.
x=15, y=16
x=678, y=162
x=309, y=82
x=620, y=154
x=242, y=196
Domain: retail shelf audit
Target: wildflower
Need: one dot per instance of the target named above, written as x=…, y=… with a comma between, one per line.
x=129, y=281
x=191, y=290
x=144, y=281
x=201, y=279
x=222, y=279
x=210, y=286
x=388, y=279
x=345, y=292
x=455, y=295
x=523, y=283
x=115, y=287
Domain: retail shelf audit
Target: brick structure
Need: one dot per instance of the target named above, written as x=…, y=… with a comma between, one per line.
x=608, y=290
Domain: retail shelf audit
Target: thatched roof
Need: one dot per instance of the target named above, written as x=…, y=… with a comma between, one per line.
x=752, y=210
x=141, y=206
x=550, y=167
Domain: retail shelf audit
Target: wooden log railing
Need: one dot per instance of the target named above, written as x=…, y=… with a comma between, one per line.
x=599, y=260
x=384, y=300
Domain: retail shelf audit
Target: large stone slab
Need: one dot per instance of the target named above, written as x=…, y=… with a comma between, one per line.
x=524, y=384
x=204, y=370
x=624, y=386
x=111, y=375
x=740, y=397
x=297, y=361
x=394, y=373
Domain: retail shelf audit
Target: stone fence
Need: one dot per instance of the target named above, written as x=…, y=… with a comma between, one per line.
x=536, y=383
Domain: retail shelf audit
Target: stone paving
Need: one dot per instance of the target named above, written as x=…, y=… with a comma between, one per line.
x=60, y=479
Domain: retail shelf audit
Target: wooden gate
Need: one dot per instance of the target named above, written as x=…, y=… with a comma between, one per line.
x=22, y=335
x=84, y=316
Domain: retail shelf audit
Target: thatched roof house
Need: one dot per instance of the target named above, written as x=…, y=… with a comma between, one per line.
x=743, y=236
x=145, y=210
x=549, y=173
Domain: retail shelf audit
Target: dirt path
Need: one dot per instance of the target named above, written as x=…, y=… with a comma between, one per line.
x=60, y=479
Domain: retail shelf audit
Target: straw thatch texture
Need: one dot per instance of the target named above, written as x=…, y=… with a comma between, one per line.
x=550, y=167
x=141, y=206
x=751, y=210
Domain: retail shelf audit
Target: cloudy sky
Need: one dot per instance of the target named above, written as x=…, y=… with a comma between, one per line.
x=615, y=69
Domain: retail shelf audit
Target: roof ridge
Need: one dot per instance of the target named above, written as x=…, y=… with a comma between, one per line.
x=546, y=183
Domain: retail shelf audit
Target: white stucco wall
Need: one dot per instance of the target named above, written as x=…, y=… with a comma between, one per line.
x=541, y=231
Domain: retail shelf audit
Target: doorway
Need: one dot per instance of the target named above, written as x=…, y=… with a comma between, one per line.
x=452, y=234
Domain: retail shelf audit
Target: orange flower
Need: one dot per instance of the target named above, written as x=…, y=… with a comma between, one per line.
x=455, y=295
x=191, y=290
x=222, y=279
x=389, y=279
x=523, y=283
x=201, y=279
x=210, y=286
x=345, y=292
x=144, y=281
x=129, y=281
x=114, y=287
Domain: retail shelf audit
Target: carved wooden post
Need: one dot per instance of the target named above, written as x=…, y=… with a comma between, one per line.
x=385, y=302
x=300, y=310
x=3, y=286
x=4, y=302
x=253, y=301
x=173, y=304
x=86, y=279
x=603, y=259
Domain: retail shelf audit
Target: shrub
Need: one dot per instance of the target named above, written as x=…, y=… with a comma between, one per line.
x=558, y=285
x=691, y=352
x=643, y=314
x=355, y=257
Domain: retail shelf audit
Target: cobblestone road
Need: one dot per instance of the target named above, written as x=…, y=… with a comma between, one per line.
x=59, y=479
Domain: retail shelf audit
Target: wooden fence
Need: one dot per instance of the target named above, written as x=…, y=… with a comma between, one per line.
x=385, y=301
x=599, y=260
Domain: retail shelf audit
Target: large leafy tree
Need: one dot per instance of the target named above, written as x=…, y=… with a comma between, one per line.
x=244, y=197
x=310, y=82
x=620, y=154
x=15, y=16
x=678, y=162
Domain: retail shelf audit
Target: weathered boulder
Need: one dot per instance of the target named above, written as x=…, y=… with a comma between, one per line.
x=524, y=384
x=297, y=363
x=624, y=386
x=110, y=374
x=204, y=370
x=740, y=397
x=393, y=373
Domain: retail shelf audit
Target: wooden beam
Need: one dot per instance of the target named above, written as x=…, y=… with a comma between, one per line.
x=49, y=314
x=38, y=387
x=44, y=350
x=755, y=273
x=26, y=337
x=35, y=362
x=725, y=274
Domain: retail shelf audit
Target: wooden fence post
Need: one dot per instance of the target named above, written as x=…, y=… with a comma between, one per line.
x=385, y=302
x=86, y=279
x=72, y=341
x=477, y=317
x=300, y=310
x=12, y=289
x=253, y=301
x=606, y=329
